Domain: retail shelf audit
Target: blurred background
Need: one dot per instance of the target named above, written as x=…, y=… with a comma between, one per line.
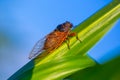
x=24, y=22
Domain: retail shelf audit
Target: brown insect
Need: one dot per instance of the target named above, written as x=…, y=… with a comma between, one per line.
x=53, y=40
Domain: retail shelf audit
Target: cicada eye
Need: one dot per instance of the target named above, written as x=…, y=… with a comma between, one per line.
x=67, y=23
x=71, y=25
x=60, y=28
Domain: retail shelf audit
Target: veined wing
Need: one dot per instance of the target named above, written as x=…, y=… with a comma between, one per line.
x=37, y=49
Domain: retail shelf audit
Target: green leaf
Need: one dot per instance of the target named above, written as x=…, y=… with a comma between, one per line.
x=106, y=71
x=62, y=62
x=63, y=66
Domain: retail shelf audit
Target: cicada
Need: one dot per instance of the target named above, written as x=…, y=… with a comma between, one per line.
x=53, y=40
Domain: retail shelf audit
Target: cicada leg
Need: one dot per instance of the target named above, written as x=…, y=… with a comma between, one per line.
x=68, y=43
x=75, y=34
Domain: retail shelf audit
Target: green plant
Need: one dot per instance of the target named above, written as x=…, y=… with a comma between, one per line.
x=107, y=71
x=63, y=62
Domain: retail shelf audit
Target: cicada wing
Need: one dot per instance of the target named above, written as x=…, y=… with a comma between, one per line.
x=37, y=49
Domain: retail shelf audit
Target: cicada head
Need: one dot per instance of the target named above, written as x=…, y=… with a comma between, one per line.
x=64, y=27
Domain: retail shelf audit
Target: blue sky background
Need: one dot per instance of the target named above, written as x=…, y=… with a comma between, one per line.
x=23, y=22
